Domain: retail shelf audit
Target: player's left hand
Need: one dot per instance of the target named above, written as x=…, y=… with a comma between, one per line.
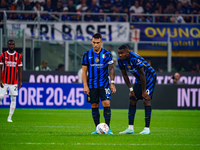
x=1, y=84
x=20, y=84
x=113, y=88
x=146, y=95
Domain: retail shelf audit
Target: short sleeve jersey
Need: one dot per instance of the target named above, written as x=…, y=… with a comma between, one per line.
x=97, y=65
x=134, y=63
x=10, y=62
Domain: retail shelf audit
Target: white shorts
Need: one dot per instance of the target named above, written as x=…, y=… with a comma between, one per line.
x=13, y=89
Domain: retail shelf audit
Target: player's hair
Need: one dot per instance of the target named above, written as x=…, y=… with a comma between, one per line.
x=10, y=41
x=97, y=36
x=123, y=47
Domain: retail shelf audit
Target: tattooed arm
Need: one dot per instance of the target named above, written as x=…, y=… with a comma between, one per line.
x=112, y=71
x=112, y=77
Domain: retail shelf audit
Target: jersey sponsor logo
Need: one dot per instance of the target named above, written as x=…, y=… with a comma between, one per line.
x=98, y=65
x=10, y=63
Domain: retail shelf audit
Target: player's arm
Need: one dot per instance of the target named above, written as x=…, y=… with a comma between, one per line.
x=128, y=83
x=126, y=78
x=84, y=77
x=112, y=77
x=20, y=76
x=143, y=83
x=1, y=67
x=1, y=82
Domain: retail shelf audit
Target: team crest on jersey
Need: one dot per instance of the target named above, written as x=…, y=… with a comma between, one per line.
x=129, y=67
x=97, y=60
x=103, y=55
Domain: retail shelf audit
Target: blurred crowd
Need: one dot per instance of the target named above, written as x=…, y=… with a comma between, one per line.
x=62, y=8
x=179, y=64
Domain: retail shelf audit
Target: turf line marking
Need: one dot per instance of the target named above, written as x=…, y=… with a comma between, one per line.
x=106, y=144
x=57, y=126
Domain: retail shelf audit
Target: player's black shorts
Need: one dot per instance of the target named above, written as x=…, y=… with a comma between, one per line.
x=137, y=88
x=97, y=94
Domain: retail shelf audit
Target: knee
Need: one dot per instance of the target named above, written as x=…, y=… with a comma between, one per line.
x=106, y=103
x=13, y=98
x=132, y=102
x=95, y=105
x=147, y=102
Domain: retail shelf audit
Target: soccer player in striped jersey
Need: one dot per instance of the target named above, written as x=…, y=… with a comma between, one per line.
x=96, y=62
x=11, y=64
x=145, y=79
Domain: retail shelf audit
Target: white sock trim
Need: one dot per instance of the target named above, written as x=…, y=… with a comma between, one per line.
x=130, y=127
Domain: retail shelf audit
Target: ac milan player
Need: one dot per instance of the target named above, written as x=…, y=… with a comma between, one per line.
x=11, y=64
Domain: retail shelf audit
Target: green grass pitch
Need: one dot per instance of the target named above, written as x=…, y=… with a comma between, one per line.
x=71, y=129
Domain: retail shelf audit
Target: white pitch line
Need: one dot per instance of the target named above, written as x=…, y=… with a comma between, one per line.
x=57, y=126
x=99, y=144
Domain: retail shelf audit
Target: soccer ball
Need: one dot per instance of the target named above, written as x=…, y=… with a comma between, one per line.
x=102, y=128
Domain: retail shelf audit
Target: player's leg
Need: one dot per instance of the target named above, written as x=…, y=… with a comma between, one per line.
x=105, y=94
x=95, y=113
x=107, y=114
x=13, y=92
x=3, y=92
x=132, y=109
x=1, y=97
x=131, y=116
x=107, y=111
x=131, y=113
x=12, y=108
x=93, y=98
x=147, y=106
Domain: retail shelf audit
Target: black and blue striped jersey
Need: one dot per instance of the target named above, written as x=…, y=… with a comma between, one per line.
x=134, y=63
x=97, y=66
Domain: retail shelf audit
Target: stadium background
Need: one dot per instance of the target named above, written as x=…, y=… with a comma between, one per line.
x=60, y=32
x=52, y=112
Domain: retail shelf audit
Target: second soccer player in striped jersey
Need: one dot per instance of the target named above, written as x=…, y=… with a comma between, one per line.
x=96, y=62
x=145, y=79
x=11, y=64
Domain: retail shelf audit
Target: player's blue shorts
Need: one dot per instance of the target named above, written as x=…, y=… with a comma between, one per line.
x=150, y=85
x=97, y=94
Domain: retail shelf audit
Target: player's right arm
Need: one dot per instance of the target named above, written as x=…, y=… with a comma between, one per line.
x=128, y=83
x=1, y=66
x=1, y=82
x=84, y=77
